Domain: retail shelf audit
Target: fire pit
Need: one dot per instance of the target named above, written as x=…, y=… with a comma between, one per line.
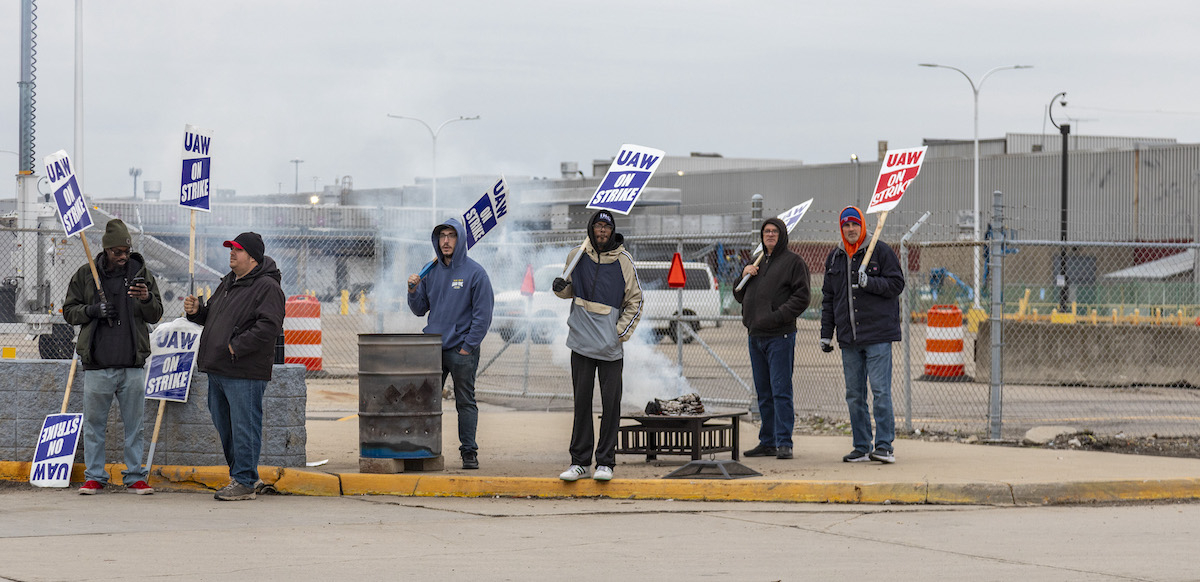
x=693, y=435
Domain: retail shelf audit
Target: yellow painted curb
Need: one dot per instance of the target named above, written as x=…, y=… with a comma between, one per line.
x=184, y=478
x=300, y=482
x=1102, y=491
x=970, y=494
x=15, y=470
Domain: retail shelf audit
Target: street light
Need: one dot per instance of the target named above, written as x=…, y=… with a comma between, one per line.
x=975, y=90
x=1065, y=130
x=434, y=134
x=135, y=172
x=297, y=162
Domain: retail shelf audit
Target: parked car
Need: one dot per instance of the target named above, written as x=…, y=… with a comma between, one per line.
x=546, y=315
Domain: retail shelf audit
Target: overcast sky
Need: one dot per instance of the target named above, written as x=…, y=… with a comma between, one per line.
x=571, y=81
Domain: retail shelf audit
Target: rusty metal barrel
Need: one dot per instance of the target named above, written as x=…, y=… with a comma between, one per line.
x=400, y=395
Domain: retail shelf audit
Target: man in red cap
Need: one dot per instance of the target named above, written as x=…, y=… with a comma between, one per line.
x=864, y=309
x=237, y=351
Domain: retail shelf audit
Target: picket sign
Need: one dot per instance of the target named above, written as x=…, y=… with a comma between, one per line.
x=481, y=218
x=169, y=369
x=790, y=218
x=57, y=441
x=621, y=187
x=896, y=174
x=195, y=186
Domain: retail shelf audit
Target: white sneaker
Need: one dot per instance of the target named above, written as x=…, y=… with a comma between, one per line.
x=603, y=474
x=575, y=473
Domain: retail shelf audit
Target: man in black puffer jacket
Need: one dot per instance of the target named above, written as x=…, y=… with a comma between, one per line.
x=776, y=294
x=865, y=311
x=237, y=350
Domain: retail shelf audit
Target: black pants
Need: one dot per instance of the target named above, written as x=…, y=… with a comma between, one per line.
x=583, y=377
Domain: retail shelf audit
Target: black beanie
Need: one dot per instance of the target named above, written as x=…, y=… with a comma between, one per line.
x=116, y=234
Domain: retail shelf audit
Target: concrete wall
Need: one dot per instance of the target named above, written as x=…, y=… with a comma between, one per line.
x=31, y=389
x=1092, y=355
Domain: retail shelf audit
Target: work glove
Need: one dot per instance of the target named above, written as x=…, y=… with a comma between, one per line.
x=826, y=345
x=559, y=284
x=101, y=310
x=860, y=280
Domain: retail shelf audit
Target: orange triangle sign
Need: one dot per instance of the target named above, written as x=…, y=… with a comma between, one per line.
x=676, y=279
x=527, y=287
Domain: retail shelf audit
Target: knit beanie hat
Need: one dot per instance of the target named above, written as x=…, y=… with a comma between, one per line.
x=116, y=234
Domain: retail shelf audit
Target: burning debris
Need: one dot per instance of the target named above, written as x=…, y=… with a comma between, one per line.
x=688, y=404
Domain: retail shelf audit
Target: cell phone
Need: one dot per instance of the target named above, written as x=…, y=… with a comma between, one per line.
x=137, y=281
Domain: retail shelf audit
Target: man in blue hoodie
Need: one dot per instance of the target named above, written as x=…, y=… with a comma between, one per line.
x=457, y=295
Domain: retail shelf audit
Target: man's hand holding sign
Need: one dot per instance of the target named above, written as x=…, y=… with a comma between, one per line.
x=899, y=169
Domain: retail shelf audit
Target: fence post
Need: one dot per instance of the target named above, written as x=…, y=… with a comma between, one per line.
x=905, y=317
x=996, y=260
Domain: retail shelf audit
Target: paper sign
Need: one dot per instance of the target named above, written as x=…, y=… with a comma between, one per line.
x=55, y=450
x=72, y=208
x=484, y=216
x=899, y=169
x=172, y=360
x=626, y=178
x=194, y=185
x=790, y=219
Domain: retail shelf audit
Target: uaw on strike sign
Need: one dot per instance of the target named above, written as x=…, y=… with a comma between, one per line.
x=899, y=169
x=194, y=182
x=626, y=178
x=55, y=450
x=172, y=360
x=72, y=208
x=484, y=216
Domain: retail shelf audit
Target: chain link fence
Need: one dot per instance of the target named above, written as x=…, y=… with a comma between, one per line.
x=1108, y=348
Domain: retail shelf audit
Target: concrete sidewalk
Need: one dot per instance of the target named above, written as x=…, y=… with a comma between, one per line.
x=522, y=452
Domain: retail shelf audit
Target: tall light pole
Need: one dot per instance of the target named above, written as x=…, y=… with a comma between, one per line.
x=297, y=162
x=135, y=172
x=1062, y=279
x=975, y=90
x=433, y=133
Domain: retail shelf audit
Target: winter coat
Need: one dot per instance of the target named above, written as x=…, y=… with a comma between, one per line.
x=862, y=316
x=606, y=300
x=779, y=293
x=134, y=316
x=244, y=314
x=458, y=297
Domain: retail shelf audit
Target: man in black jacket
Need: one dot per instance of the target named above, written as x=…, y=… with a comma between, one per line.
x=865, y=311
x=776, y=294
x=237, y=351
x=114, y=342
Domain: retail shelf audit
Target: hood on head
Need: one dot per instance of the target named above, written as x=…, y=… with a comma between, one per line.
x=613, y=241
x=783, y=233
x=460, y=248
x=851, y=213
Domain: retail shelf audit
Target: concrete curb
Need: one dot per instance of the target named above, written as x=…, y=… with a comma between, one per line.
x=297, y=481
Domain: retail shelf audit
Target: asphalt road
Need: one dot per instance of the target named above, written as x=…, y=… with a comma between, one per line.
x=59, y=535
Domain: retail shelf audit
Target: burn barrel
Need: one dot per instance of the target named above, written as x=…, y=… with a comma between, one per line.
x=400, y=395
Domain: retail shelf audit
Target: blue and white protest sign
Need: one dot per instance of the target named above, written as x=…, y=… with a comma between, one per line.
x=790, y=219
x=484, y=216
x=68, y=197
x=55, y=450
x=194, y=184
x=172, y=360
x=626, y=178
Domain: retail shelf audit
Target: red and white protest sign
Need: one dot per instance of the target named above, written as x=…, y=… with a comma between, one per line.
x=899, y=169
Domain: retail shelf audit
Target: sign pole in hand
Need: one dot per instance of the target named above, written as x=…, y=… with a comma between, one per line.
x=896, y=174
x=195, y=187
x=790, y=219
x=624, y=182
x=192, y=255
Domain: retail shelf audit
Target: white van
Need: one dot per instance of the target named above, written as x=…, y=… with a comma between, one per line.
x=547, y=314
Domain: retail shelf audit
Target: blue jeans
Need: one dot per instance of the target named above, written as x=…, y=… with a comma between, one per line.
x=771, y=360
x=100, y=387
x=236, y=405
x=462, y=369
x=873, y=362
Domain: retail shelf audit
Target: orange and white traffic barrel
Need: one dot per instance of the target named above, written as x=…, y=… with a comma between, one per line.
x=944, y=345
x=302, y=332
